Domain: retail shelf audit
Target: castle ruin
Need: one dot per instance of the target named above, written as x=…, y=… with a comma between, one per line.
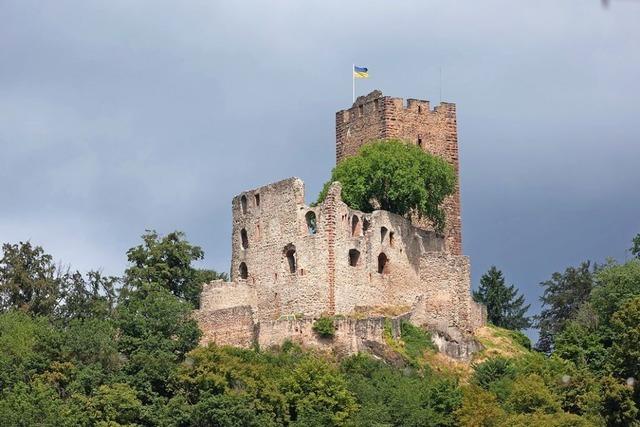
x=292, y=263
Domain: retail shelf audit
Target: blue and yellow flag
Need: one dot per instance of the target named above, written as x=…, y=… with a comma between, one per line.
x=360, y=72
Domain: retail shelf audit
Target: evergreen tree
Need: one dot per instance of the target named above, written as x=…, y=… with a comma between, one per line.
x=635, y=248
x=563, y=296
x=505, y=308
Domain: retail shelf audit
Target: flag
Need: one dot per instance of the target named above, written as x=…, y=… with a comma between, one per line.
x=360, y=72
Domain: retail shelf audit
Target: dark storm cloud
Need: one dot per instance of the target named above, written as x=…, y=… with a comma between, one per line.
x=119, y=116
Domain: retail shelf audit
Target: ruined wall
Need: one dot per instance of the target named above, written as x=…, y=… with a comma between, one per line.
x=288, y=270
x=218, y=294
x=376, y=116
x=351, y=335
x=228, y=326
x=274, y=226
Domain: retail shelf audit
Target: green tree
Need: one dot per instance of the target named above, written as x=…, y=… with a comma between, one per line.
x=37, y=404
x=582, y=346
x=530, y=394
x=93, y=297
x=616, y=284
x=318, y=395
x=625, y=351
x=167, y=262
x=505, y=308
x=29, y=280
x=27, y=347
x=480, y=409
x=635, y=246
x=395, y=176
x=619, y=408
x=563, y=296
x=156, y=331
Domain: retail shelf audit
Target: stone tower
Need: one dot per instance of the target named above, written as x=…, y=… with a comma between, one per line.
x=376, y=116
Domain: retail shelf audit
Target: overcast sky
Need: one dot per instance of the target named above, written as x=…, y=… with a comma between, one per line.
x=118, y=116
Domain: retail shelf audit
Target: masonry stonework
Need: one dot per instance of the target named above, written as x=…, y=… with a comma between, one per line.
x=376, y=116
x=292, y=263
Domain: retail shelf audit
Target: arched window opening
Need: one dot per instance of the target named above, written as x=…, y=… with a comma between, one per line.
x=383, y=234
x=244, y=238
x=419, y=109
x=391, y=241
x=244, y=272
x=365, y=225
x=257, y=198
x=383, y=263
x=312, y=226
x=354, y=256
x=290, y=253
x=243, y=204
x=355, y=226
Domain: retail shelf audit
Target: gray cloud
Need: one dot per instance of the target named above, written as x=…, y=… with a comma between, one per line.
x=119, y=116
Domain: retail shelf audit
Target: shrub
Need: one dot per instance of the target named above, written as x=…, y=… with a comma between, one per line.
x=493, y=370
x=325, y=327
x=416, y=339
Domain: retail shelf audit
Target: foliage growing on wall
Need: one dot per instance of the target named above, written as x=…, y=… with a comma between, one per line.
x=396, y=176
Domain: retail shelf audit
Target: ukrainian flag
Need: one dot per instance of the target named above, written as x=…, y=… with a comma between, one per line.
x=360, y=72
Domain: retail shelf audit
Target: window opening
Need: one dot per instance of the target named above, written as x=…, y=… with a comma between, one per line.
x=354, y=256
x=244, y=238
x=243, y=204
x=244, y=272
x=312, y=226
x=383, y=263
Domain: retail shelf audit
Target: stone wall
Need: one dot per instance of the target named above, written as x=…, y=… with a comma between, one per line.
x=376, y=116
x=285, y=265
x=351, y=335
x=227, y=326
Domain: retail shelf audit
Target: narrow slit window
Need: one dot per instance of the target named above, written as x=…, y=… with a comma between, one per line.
x=244, y=239
x=383, y=263
x=355, y=226
x=383, y=234
x=361, y=110
x=243, y=204
x=257, y=198
x=312, y=226
x=244, y=272
x=354, y=257
x=290, y=253
x=391, y=240
x=365, y=225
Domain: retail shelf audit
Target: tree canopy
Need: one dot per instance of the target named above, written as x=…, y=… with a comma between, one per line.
x=396, y=176
x=505, y=308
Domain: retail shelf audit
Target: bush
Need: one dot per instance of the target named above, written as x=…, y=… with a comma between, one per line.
x=521, y=339
x=325, y=327
x=416, y=340
x=492, y=371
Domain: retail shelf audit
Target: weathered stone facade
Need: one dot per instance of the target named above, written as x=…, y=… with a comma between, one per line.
x=292, y=263
x=436, y=131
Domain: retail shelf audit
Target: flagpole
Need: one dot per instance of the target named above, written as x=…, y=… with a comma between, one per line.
x=353, y=82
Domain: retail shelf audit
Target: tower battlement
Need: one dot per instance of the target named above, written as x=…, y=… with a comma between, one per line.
x=375, y=116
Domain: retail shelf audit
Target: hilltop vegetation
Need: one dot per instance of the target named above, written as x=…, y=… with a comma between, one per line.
x=89, y=350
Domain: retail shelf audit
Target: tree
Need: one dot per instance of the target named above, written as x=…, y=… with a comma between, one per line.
x=625, y=350
x=90, y=298
x=29, y=280
x=635, y=248
x=563, y=296
x=395, y=176
x=166, y=262
x=616, y=284
x=156, y=331
x=505, y=308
